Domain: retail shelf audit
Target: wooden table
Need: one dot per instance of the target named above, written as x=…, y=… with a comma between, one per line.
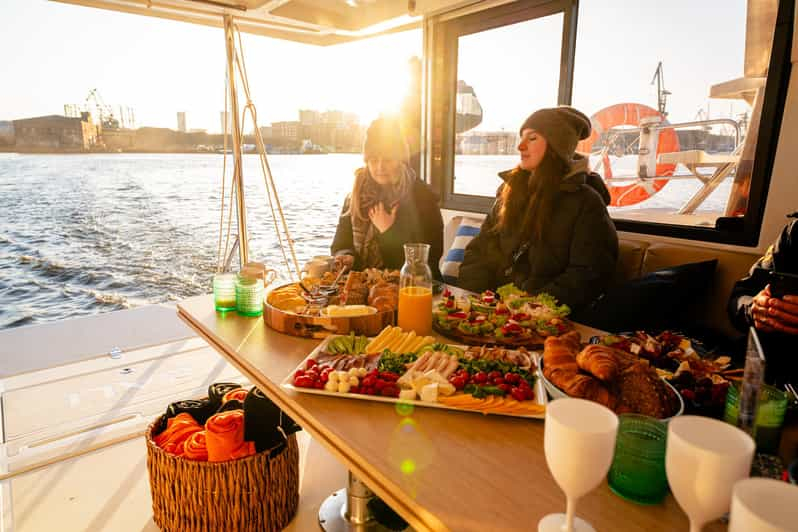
x=462, y=471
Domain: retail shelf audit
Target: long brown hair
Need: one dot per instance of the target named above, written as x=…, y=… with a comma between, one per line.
x=529, y=196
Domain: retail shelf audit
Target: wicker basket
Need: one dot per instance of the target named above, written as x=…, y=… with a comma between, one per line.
x=260, y=492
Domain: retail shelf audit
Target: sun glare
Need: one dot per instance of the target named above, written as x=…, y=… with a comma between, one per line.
x=385, y=93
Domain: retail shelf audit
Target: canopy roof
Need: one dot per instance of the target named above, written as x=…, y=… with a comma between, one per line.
x=321, y=22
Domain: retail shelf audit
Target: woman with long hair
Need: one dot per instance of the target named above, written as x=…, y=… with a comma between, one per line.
x=388, y=206
x=548, y=230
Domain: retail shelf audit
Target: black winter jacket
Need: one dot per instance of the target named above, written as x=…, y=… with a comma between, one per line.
x=417, y=220
x=576, y=260
x=781, y=364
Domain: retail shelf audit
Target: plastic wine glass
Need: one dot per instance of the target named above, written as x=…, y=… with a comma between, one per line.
x=763, y=505
x=703, y=460
x=579, y=441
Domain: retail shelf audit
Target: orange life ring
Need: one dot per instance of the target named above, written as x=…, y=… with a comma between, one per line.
x=630, y=114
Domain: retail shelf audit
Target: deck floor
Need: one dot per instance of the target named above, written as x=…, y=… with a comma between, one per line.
x=108, y=489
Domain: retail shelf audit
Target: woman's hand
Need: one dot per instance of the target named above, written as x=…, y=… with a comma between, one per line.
x=344, y=261
x=773, y=314
x=381, y=218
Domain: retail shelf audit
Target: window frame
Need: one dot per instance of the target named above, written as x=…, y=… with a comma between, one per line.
x=445, y=35
x=442, y=34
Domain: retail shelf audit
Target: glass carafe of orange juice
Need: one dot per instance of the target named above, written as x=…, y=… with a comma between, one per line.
x=415, y=291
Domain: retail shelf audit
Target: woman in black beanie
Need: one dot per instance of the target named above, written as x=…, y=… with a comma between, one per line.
x=388, y=206
x=548, y=230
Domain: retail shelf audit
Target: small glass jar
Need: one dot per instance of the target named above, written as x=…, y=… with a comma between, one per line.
x=249, y=295
x=224, y=292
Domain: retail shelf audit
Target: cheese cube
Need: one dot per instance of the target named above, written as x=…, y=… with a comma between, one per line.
x=429, y=393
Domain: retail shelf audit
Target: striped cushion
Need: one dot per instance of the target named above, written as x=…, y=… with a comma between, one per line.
x=466, y=231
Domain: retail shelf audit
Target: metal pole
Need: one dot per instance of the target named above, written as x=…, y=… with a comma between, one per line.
x=238, y=174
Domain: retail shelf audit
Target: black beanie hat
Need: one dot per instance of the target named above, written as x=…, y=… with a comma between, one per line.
x=384, y=139
x=562, y=127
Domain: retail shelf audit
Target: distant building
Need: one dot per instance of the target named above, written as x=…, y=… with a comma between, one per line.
x=332, y=117
x=266, y=132
x=309, y=117
x=285, y=130
x=6, y=133
x=487, y=143
x=55, y=132
x=229, y=123
x=181, y=121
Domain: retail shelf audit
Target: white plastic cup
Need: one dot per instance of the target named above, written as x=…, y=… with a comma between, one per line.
x=763, y=505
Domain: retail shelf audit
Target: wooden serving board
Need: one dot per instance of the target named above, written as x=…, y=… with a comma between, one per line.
x=533, y=341
x=540, y=393
x=308, y=326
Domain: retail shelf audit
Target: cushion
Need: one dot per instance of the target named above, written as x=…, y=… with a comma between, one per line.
x=630, y=306
x=691, y=280
x=653, y=302
x=466, y=231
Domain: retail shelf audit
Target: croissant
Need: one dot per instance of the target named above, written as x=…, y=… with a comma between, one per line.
x=586, y=387
x=600, y=361
x=559, y=353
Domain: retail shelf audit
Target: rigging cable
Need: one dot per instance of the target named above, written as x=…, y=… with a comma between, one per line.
x=271, y=188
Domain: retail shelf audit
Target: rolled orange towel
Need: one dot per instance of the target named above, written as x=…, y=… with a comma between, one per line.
x=178, y=430
x=240, y=394
x=195, y=447
x=224, y=437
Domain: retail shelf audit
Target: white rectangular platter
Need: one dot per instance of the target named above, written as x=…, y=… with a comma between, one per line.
x=540, y=391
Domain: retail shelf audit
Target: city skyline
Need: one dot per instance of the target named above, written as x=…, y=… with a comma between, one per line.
x=159, y=67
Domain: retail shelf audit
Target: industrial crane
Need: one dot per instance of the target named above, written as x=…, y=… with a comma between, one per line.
x=662, y=93
x=105, y=113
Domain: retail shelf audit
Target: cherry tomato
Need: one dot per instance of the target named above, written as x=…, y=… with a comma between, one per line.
x=379, y=384
x=459, y=382
x=518, y=394
x=299, y=373
x=310, y=363
x=480, y=377
x=494, y=374
x=324, y=377
x=368, y=381
x=389, y=376
x=530, y=393
x=497, y=381
x=354, y=389
x=390, y=391
x=512, y=378
x=318, y=385
x=303, y=382
x=506, y=388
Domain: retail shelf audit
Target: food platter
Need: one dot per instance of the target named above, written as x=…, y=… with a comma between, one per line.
x=303, y=309
x=557, y=393
x=702, y=378
x=618, y=380
x=458, y=400
x=508, y=317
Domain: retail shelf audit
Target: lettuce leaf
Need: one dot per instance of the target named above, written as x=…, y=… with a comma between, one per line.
x=509, y=289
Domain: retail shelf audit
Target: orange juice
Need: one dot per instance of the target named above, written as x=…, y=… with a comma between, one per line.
x=415, y=309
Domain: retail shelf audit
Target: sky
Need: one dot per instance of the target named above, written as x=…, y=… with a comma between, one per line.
x=159, y=67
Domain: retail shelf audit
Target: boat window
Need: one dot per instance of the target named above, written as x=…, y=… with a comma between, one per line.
x=685, y=100
x=507, y=71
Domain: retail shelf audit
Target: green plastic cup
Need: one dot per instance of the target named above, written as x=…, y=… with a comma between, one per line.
x=637, y=472
x=769, y=417
x=224, y=292
x=249, y=295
